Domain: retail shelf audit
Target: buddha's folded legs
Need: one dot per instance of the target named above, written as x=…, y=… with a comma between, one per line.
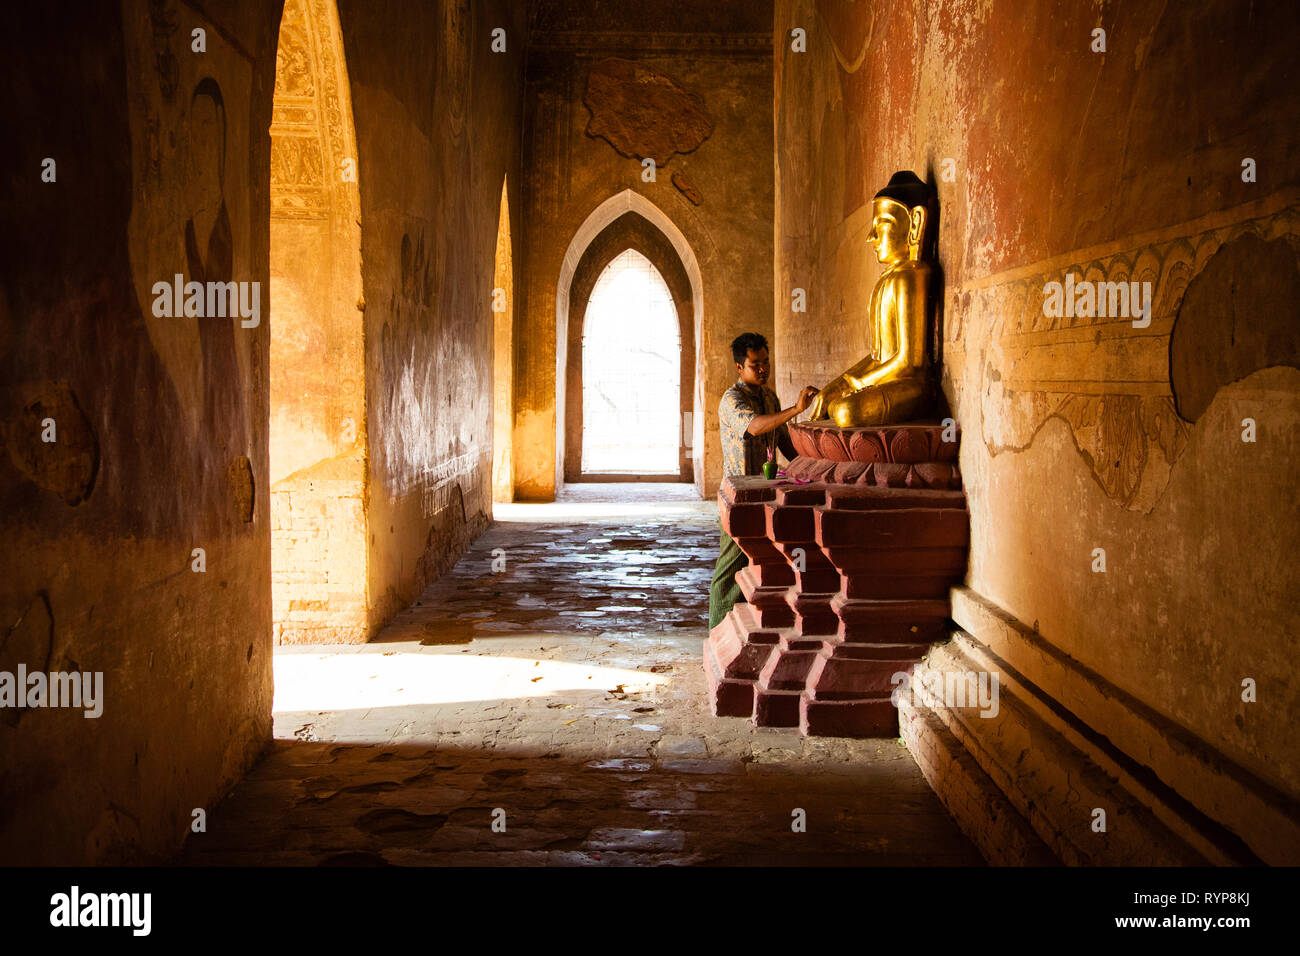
x=887, y=404
x=821, y=405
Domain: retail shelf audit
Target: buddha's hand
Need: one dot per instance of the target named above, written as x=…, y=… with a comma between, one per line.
x=810, y=396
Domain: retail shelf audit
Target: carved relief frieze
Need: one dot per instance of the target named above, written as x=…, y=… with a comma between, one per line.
x=311, y=141
x=1106, y=375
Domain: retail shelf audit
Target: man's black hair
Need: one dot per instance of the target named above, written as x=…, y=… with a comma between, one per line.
x=744, y=344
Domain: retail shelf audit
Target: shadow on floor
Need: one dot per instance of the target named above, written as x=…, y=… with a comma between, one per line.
x=332, y=804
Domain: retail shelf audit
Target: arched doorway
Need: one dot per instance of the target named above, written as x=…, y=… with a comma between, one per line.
x=318, y=417
x=631, y=375
x=595, y=243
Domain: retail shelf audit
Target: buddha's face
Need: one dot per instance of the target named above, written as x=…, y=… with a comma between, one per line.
x=206, y=152
x=891, y=225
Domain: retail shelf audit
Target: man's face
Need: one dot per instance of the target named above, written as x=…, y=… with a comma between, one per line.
x=756, y=367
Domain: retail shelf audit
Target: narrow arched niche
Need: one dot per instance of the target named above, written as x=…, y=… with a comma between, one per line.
x=503, y=320
x=318, y=446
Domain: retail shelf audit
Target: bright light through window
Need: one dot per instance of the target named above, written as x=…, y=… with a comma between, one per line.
x=631, y=372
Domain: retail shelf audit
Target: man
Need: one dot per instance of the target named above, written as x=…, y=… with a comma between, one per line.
x=751, y=420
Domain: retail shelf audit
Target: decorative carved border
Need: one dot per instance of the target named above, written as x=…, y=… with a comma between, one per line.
x=311, y=131
x=1034, y=368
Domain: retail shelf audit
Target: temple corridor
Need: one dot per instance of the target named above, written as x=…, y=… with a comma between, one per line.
x=565, y=689
x=573, y=433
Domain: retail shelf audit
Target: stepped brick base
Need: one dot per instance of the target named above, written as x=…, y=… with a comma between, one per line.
x=847, y=585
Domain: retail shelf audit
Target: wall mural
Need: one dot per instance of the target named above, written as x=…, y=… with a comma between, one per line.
x=311, y=132
x=190, y=212
x=1110, y=381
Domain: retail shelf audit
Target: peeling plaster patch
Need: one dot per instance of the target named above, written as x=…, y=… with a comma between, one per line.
x=1118, y=389
x=642, y=113
x=688, y=189
x=240, y=478
x=27, y=640
x=66, y=466
x=1240, y=314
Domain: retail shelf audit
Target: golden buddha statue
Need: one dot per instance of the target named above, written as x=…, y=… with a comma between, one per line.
x=894, y=385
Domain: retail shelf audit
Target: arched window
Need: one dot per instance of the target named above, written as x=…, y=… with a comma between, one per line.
x=631, y=372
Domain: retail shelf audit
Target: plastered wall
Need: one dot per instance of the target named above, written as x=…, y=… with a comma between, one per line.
x=433, y=149
x=160, y=444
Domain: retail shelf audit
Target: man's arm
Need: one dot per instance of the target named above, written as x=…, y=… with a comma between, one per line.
x=762, y=424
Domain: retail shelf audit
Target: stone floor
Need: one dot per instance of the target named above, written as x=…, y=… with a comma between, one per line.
x=544, y=703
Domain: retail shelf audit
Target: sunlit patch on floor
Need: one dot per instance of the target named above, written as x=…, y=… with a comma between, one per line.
x=323, y=682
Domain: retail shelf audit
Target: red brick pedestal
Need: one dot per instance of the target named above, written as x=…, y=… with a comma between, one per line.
x=847, y=585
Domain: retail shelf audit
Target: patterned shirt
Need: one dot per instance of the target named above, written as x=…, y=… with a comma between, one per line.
x=743, y=453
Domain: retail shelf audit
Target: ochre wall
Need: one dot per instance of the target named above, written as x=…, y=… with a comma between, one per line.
x=317, y=394
x=1115, y=166
x=161, y=422
x=570, y=173
x=318, y=416
x=433, y=150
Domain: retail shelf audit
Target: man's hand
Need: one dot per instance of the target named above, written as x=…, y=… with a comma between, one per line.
x=821, y=402
x=762, y=424
x=805, y=398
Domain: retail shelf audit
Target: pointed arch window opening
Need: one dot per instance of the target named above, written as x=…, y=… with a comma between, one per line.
x=631, y=372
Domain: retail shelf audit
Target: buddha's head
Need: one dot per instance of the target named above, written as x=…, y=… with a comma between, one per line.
x=207, y=145
x=899, y=216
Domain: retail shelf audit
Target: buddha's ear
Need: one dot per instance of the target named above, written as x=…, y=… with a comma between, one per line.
x=917, y=228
